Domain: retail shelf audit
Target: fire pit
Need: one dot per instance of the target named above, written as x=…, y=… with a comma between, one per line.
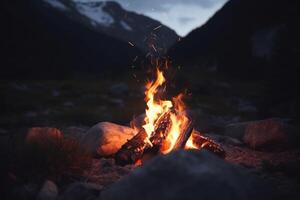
x=167, y=127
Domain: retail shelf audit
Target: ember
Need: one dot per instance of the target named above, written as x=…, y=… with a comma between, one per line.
x=167, y=128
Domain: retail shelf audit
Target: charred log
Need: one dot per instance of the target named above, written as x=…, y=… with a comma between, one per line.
x=162, y=127
x=140, y=145
x=133, y=149
x=184, y=136
x=202, y=142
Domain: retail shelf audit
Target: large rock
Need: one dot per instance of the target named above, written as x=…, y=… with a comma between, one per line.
x=187, y=175
x=271, y=133
x=74, y=132
x=105, y=138
x=81, y=191
x=236, y=130
x=49, y=191
x=25, y=192
x=43, y=135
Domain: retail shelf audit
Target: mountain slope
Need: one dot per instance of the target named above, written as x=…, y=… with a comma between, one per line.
x=110, y=18
x=39, y=43
x=245, y=35
x=253, y=41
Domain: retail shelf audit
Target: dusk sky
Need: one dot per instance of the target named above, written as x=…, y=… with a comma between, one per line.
x=181, y=15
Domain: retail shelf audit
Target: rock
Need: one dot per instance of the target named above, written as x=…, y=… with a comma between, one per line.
x=105, y=172
x=188, y=175
x=55, y=93
x=266, y=133
x=225, y=139
x=49, y=191
x=105, y=138
x=138, y=121
x=75, y=132
x=25, y=192
x=42, y=135
x=119, y=89
x=236, y=130
x=81, y=191
x=212, y=123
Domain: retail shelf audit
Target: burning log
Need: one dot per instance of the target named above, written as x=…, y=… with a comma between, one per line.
x=167, y=128
x=183, y=138
x=162, y=127
x=201, y=142
x=135, y=148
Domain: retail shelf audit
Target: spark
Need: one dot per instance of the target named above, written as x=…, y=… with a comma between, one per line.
x=131, y=44
x=158, y=27
x=154, y=48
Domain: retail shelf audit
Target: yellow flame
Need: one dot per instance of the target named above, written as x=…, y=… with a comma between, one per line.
x=156, y=108
x=190, y=144
x=179, y=122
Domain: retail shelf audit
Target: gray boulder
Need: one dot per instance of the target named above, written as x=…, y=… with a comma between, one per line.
x=236, y=130
x=187, y=175
x=49, y=191
x=81, y=191
x=105, y=138
x=25, y=192
x=271, y=133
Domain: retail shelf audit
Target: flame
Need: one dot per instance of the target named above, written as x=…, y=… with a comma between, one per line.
x=179, y=121
x=190, y=143
x=157, y=107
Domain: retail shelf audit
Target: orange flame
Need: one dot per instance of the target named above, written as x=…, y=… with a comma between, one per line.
x=157, y=107
x=190, y=143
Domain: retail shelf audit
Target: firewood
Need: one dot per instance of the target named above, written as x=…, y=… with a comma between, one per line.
x=133, y=149
x=184, y=136
x=162, y=127
x=202, y=142
x=136, y=147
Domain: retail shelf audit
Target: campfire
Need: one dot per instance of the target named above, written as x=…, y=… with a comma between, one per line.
x=167, y=127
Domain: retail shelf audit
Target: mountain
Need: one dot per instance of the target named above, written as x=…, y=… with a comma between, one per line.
x=38, y=43
x=55, y=39
x=254, y=41
x=257, y=36
x=110, y=18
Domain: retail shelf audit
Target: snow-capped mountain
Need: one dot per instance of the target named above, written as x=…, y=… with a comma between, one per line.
x=42, y=43
x=110, y=18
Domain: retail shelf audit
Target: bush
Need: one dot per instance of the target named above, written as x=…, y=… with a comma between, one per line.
x=45, y=156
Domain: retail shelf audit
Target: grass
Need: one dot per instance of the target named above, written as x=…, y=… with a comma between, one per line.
x=45, y=157
x=84, y=103
x=64, y=103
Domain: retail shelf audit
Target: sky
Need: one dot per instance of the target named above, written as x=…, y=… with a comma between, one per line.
x=181, y=15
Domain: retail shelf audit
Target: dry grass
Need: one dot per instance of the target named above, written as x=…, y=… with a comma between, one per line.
x=54, y=158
